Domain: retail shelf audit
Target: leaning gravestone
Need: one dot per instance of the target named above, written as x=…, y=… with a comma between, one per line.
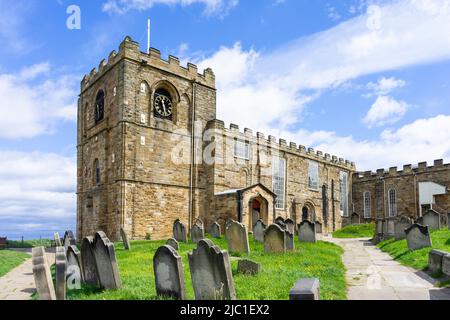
x=307, y=232
x=435, y=258
x=57, y=239
x=169, y=277
x=74, y=264
x=105, y=258
x=237, y=238
x=197, y=233
x=418, y=237
x=173, y=243
x=211, y=274
x=42, y=275
x=274, y=239
x=400, y=226
x=69, y=239
x=258, y=231
x=215, y=230
x=90, y=272
x=289, y=241
x=432, y=219
x=60, y=273
x=126, y=243
x=318, y=227
x=199, y=222
x=290, y=225
x=248, y=267
x=281, y=222
x=179, y=231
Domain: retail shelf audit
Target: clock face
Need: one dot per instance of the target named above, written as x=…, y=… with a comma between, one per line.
x=163, y=106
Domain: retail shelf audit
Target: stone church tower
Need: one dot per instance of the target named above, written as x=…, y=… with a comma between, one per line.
x=138, y=119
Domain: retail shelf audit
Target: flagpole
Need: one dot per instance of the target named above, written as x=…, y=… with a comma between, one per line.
x=148, y=36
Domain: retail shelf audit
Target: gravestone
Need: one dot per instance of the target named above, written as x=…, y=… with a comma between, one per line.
x=248, y=267
x=237, y=238
x=419, y=221
x=74, y=264
x=418, y=237
x=169, y=277
x=355, y=218
x=179, y=231
x=280, y=221
x=69, y=239
x=435, y=258
x=432, y=219
x=400, y=226
x=274, y=239
x=57, y=239
x=90, y=272
x=446, y=265
x=60, y=273
x=126, y=243
x=307, y=232
x=42, y=275
x=173, y=243
x=211, y=274
x=215, y=230
x=258, y=231
x=290, y=225
x=197, y=233
x=105, y=258
x=305, y=289
x=199, y=222
x=318, y=227
x=448, y=221
x=289, y=241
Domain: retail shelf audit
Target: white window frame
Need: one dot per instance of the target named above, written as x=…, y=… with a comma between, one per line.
x=279, y=183
x=344, y=195
x=313, y=165
x=367, y=203
x=242, y=149
x=392, y=206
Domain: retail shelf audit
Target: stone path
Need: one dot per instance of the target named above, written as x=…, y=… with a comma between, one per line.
x=374, y=275
x=18, y=284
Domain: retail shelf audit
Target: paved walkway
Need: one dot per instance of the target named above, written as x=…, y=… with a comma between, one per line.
x=18, y=284
x=374, y=275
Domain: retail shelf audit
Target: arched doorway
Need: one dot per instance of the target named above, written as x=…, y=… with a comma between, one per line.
x=258, y=210
x=308, y=212
x=305, y=213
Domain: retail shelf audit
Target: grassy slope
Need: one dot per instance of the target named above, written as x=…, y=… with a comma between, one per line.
x=417, y=259
x=356, y=231
x=280, y=272
x=29, y=243
x=11, y=259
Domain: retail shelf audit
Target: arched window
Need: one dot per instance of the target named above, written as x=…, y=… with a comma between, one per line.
x=99, y=106
x=367, y=204
x=392, y=203
x=97, y=172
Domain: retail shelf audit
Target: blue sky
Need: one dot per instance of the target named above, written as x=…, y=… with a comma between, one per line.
x=365, y=80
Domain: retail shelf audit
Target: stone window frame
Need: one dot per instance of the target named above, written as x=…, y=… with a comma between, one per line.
x=99, y=116
x=315, y=166
x=367, y=204
x=97, y=173
x=279, y=183
x=392, y=202
x=244, y=148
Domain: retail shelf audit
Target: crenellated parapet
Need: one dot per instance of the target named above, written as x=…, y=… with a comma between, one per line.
x=129, y=49
x=280, y=144
x=408, y=169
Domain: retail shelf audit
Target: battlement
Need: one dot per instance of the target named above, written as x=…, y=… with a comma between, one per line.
x=408, y=169
x=129, y=49
x=281, y=144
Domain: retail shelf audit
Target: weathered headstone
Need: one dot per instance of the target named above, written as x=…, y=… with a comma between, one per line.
x=57, y=239
x=280, y=221
x=248, y=267
x=42, y=275
x=435, y=258
x=290, y=225
x=274, y=239
x=258, y=231
x=69, y=239
x=169, y=276
x=318, y=227
x=60, y=273
x=105, y=258
x=355, y=218
x=215, y=230
x=418, y=237
x=74, y=264
x=197, y=233
x=419, y=221
x=211, y=272
x=432, y=219
x=126, y=243
x=306, y=289
x=289, y=241
x=237, y=238
x=199, y=222
x=173, y=243
x=446, y=265
x=400, y=226
x=307, y=232
x=90, y=272
x=179, y=231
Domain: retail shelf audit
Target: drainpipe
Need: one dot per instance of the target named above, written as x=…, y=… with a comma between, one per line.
x=415, y=196
x=191, y=169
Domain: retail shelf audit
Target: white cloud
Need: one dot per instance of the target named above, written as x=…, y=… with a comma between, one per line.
x=385, y=110
x=385, y=86
x=212, y=7
x=31, y=107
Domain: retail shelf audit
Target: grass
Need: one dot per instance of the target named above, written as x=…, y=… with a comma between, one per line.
x=279, y=272
x=11, y=259
x=416, y=259
x=29, y=243
x=356, y=231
